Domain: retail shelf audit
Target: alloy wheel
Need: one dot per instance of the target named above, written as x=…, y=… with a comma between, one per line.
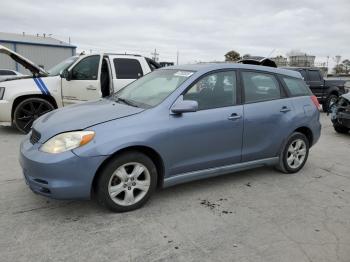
x=296, y=153
x=129, y=184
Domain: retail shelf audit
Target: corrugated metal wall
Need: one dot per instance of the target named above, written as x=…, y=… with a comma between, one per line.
x=46, y=56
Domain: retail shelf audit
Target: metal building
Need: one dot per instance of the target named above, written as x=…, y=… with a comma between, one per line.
x=43, y=50
x=302, y=60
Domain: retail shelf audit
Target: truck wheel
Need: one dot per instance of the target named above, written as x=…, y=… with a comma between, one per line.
x=127, y=182
x=294, y=154
x=329, y=100
x=340, y=128
x=28, y=110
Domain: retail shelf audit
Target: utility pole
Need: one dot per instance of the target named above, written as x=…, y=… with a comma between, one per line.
x=155, y=55
x=177, y=57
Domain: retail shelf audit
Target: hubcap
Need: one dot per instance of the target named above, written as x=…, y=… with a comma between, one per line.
x=129, y=184
x=296, y=153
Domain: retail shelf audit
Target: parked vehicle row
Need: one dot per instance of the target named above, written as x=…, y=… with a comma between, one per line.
x=75, y=80
x=173, y=125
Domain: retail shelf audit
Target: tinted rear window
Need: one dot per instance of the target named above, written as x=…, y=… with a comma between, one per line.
x=314, y=75
x=296, y=87
x=127, y=68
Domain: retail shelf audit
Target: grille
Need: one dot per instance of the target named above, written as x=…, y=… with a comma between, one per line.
x=35, y=136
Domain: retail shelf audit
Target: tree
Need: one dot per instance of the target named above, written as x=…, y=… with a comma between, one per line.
x=346, y=64
x=232, y=56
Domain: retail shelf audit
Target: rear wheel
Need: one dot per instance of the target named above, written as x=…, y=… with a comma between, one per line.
x=127, y=182
x=28, y=110
x=294, y=154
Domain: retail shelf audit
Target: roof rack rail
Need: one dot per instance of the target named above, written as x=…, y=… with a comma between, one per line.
x=122, y=54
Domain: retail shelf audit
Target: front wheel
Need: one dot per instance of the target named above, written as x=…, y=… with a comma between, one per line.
x=331, y=99
x=340, y=128
x=294, y=154
x=28, y=110
x=127, y=182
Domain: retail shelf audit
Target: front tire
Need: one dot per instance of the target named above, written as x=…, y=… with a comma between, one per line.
x=329, y=100
x=126, y=182
x=294, y=154
x=340, y=128
x=28, y=110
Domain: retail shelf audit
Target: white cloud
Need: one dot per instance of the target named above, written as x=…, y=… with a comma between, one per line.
x=200, y=30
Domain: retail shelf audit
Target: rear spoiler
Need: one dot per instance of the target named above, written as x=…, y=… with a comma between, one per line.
x=263, y=61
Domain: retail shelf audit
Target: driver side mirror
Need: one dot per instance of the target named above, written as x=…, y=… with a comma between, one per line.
x=184, y=106
x=67, y=75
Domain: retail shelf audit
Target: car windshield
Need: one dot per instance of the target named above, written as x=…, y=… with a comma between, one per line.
x=153, y=88
x=57, y=69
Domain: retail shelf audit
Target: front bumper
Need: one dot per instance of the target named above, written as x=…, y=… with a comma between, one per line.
x=59, y=176
x=344, y=119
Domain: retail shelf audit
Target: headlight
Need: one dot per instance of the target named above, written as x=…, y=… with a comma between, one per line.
x=2, y=92
x=67, y=141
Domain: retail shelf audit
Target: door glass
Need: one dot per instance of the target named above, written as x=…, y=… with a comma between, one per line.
x=260, y=87
x=126, y=68
x=86, y=69
x=314, y=75
x=213, y=91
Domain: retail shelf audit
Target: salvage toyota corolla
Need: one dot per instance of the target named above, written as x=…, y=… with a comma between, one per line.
x=171, y=126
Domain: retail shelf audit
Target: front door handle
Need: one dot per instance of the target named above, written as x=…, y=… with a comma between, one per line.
x=234, y=116
x=285, y=109
x=91, y=88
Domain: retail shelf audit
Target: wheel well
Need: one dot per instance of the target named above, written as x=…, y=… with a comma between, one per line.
x=307, y=132
x=334, y=92
x=151, y=153
x=21, y=98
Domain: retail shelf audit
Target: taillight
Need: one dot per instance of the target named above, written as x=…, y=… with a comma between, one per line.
x=316, y=103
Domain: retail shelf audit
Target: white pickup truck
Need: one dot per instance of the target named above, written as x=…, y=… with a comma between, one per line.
x=75, y=80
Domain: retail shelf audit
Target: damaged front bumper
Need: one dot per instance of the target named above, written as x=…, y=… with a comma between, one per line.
x=340, y=111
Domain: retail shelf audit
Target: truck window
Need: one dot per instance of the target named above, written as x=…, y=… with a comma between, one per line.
x=296, y=87
x=126, y=68
x=87, y=68
x=314, y=75
x=303, y=73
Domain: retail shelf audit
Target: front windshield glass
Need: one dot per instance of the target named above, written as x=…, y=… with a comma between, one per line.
x=58, y=69
x=153, y=88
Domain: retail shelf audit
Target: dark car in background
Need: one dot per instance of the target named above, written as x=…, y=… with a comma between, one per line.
x=326, y=91
x=340, y=114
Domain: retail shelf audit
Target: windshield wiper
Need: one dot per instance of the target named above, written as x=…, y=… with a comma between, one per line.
x=127, y=102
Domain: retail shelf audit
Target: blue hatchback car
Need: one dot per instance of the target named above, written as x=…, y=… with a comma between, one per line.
x=172, y=126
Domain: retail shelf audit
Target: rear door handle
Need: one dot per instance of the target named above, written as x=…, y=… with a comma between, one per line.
x=234, y=116
x=285, y=109
x=91, y=88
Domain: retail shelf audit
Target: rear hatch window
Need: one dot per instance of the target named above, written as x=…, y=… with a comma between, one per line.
x=296, y=87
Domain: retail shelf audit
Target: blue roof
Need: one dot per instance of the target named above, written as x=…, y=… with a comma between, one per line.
x=203, y=68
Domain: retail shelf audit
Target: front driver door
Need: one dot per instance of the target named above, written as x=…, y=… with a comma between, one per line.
x=84, y=84
x=212, y=136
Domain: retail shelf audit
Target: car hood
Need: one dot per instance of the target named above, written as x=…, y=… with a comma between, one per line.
x=32, y=67
x=81, y=116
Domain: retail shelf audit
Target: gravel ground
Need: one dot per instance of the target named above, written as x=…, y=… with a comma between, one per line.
x=256, y=215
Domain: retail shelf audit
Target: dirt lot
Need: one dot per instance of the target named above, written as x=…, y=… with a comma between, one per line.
x=256, y=215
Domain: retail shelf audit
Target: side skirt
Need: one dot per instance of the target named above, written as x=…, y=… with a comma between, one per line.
x=217, y=171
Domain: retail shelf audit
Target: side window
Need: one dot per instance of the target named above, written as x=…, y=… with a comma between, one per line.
x=213, y=91
x=7, y=73
x=296, y=87
x=260, y=87
x=314, y=75
x=86, y=69
x=126, y=68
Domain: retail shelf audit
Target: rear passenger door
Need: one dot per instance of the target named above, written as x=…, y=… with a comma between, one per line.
x=267, y=115
x=126, y=70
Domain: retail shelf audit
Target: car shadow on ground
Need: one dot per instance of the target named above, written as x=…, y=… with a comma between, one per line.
x=9, y=130
x=195, y=189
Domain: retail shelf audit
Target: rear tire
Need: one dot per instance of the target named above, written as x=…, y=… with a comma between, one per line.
x=28, y=110
x=126, y=182
x=294, y=154
x=340, y=128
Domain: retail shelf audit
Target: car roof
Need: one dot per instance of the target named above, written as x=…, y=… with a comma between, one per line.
x=207, y=67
